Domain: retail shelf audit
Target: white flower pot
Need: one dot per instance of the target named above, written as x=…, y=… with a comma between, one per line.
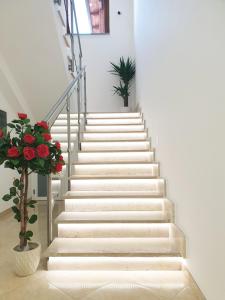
x=26, y=262
x=124, y=109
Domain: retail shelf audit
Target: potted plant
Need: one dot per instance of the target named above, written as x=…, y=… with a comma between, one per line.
x=125, y=70
x=27, y=149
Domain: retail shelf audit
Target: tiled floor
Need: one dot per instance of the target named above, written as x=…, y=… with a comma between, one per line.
x=83, y=285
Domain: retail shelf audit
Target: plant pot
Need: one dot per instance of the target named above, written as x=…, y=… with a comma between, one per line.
x=125, y=109
x=26, y=262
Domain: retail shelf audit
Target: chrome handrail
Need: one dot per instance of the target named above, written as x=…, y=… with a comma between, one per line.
x=65, y=101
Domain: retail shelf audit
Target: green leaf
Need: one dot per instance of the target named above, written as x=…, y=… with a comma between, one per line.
x=33, y=219
x=6, y=197
x=16, y=182
x=12, y=191
x=15, y=209
x=21, y=186
x=16, y=200
x=31, y=203
x=10, y=125
x=17, y=217
x=28, y=234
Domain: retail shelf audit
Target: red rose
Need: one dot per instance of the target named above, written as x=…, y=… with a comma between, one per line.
x=1, y=133
x=42, y=124
x=58, y=167
x=29, y=139
x=42, y=151
x=29, y=153
x=58, y=146
x=61, y=157
x=47, y=137
x=13, y=152
x=22, y=116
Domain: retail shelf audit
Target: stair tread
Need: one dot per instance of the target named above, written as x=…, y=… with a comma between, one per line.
x=111, y=194
x=89, y=177
x=111, y=216
x=113, y=246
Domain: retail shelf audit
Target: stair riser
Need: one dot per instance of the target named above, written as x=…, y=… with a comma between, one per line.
x=113, y=115
x=64, y=122
x=116, y=157
x=62, y=137
x=114, y=146
x=113, y=204
x=63, y=129
x=115, y=121
x=117, y=170
x=153, y=186
x=139, y=136
x=112, y=230
x=108, y=128
x=114, y=263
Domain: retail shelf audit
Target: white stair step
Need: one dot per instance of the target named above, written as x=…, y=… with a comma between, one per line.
x=116, y=263
x=115, y=146
x=112, y=217
x=115, y=157
x=125, y=186
x=136, y=246
x=114, y=115
x=115, y=136
x=72, y=116
x=113, y=194
x=63, y=122
x=114, y=204
x=63, y=129
x=62, y=137
x=114, y=128
x=117, y=170
x=127, y=121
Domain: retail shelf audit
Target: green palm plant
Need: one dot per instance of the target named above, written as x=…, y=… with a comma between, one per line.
x=125, y=70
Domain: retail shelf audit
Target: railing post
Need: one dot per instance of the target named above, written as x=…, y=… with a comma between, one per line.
x=49, y=210
x=69, y=142
x=72, y=35
x=85, y=97
x=78, y=110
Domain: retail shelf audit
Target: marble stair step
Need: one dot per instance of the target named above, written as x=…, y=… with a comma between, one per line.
x=115, y=136
x=116, y=157
x=115, y=204
x=63, y=122
x=113, y=194
x=115, y=145
x=62, y=137
x=116, y=170
x=126, y=185
x=118, y=121
x=129, y=247
x=114, y=128
x=74, y=116
x=115, y=263
x=112, y=217
x=63, y=129
x=114, y=115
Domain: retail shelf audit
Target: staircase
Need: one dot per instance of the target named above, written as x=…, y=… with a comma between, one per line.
x=117, y=217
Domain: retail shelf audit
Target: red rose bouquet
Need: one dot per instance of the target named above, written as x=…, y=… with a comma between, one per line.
x=27, y=149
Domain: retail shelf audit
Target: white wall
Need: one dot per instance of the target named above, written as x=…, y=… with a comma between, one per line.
x=180, y=48
x=30, y=44
x=99, y=50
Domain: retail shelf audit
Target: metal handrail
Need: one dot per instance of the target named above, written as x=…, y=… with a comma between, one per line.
x=65, y=101
x=54, y=108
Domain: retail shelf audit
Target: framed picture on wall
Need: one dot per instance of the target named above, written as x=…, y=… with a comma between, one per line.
x=3, y=119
